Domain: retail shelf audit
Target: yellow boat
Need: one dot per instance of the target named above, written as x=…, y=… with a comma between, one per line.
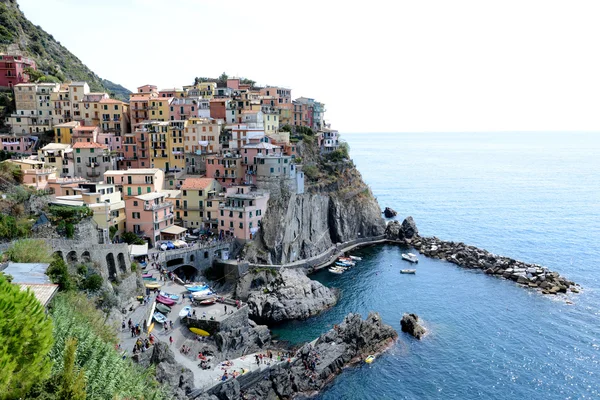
x=199, y=331
x=370, y=359
x=151, y=327
x=153, y=285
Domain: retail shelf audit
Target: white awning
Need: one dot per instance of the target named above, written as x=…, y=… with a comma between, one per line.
x=136, y=250
x=173, y=230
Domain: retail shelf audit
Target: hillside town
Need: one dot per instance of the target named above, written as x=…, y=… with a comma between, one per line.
x=172, y=164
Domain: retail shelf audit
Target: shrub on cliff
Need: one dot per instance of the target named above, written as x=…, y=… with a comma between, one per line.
x=131, y=238
x=29, y=251
x=25, y=340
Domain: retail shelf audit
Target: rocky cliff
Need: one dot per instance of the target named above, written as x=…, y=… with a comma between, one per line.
x=337, y=206
x=275, y=296
x=315, y=366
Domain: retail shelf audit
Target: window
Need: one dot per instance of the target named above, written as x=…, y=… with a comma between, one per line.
x=135, y=215
x=185, y=192
x=128, y=191
x=241, y=215
x=78, y=159
x=135, y=203
x=139, y=190
x=250, y=214
x=241, y=225
x=222, y=223
x=78, y=151
x=231, y=224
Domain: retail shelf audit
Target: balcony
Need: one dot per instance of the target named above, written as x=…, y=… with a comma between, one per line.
x=163, y=218
x=153, y=207
x=94, y=173
x=92, y=164
x=130, y=158
x=142, y=139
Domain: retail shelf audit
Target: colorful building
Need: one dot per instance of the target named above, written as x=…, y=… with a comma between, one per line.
x=241, y=212
x=58, y=156
x=23, y=144
x=149, y=214
x=202, y=136
x=35, y=174
x=136, y=181
x=159, y=108
x=91, y=160
x=199, y=203
x=63, y=133
x=227, y=169
x=12, y=69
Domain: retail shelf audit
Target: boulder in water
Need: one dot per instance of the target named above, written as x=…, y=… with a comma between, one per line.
x=410, y=324
x=389, y=213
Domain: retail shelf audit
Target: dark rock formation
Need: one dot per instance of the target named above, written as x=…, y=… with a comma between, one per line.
x=275, y=296
x=529, y=275
x=410, y=324
x=405, y=231
x=168, y=371
x=314, y=367
x=389, y=213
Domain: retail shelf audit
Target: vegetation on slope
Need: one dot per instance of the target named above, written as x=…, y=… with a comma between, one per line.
x=53, y=59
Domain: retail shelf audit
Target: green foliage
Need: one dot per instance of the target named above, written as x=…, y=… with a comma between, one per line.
x=69, y=215
x=72, y=379
x=59, y=274
x=25, y=340
x=223, y=77
x=297, y=160
x=308, y=139
x=93, y=282
x=305, y=130
x=29, y=251
x=286, y=128
x=340, y=154
x=131, y=238
x=311, y=172
x=70, y=230
x=109, y=376
x=14, y=228
x=134, y=266
x=10, y=173
x=112, y=231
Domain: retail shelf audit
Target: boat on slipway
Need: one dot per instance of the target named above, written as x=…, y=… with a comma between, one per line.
x=408, y=271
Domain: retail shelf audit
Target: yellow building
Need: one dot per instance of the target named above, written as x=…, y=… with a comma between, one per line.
x=136, y=181
x=158, y=108
x=202, y=136
x=207, y=90
x=271, y=121
x=199, y=203
x=175, y=146
x=63, y=133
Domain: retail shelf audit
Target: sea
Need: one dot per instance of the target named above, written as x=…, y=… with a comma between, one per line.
x=534, y=197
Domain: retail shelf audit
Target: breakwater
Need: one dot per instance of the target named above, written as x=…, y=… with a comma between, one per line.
x=533, y=276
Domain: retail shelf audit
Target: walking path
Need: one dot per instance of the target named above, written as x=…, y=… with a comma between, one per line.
x=203, y=379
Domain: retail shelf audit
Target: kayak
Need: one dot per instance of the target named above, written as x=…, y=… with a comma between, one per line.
x=147, y=276
x=208, y=302
x=370, y=359
x=196, y=288
x=151, y=327
x=199, y=331
x=163, y=308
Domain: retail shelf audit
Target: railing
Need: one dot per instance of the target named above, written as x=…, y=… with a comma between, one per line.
x=164, y=218
x=92, y=164
x=153, y=206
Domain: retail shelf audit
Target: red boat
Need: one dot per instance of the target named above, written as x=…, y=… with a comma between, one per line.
x=208, y=302
x=165, y=300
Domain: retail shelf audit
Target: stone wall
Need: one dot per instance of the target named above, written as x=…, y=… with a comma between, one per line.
x=200, y=256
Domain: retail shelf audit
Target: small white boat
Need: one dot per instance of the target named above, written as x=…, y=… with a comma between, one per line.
x=408, y=271
x=185, y=311
x=336, y=270
x=354, y=258
x=410, y=257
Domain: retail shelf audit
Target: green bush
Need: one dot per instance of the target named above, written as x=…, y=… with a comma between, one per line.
x=25, y=340
x=59, y=274
x=311, y=172
x=13, y=228
x=93, y=283
x=29, y=251
x=131, y=238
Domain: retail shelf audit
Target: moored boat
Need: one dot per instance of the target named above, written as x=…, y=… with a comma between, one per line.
x=165, y=300
x=163, y=308
x=169, y=295
x=408, y=271
x=152, y=285
x=336, y=271
x=196, y=288
x=370, y=359
x=202, y=294
x=146, y=275
x=355, y=258
x=208, y=302
x=410, y=257
x=185, y=311
x=160, y=318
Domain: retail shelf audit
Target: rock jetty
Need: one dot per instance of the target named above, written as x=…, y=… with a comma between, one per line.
x=314, y=365
x=389, y=213
x=410, y=324
x=529, y=275
x=277, y=295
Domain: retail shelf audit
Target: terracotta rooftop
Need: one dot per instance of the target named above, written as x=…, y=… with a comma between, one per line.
x=111, y=101
x=196, y=183
x=86, y=128
x=90, y=145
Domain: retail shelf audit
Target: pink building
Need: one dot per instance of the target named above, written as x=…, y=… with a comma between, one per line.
x=18, y=144
x=226, y=169
x=147, y=215
x=12, y=69
x=85, y=134
x=240, y=214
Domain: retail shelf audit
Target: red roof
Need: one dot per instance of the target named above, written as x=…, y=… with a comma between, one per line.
x=196, y=183
x=89, y=145
x=86, y=128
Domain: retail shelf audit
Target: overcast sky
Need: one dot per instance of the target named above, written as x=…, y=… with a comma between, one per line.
x=380, y=66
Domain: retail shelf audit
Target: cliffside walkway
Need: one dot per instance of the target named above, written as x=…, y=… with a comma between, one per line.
x=327, y=257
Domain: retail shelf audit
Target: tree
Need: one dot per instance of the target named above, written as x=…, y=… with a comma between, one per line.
x=25, y=340
x=72, y=379
x=223, y=77
x=131, y=238
x=59, y=274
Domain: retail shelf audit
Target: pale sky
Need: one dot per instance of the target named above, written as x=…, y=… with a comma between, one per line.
x=379, y=66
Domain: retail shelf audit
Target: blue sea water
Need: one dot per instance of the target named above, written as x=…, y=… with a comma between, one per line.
x=530, y=196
